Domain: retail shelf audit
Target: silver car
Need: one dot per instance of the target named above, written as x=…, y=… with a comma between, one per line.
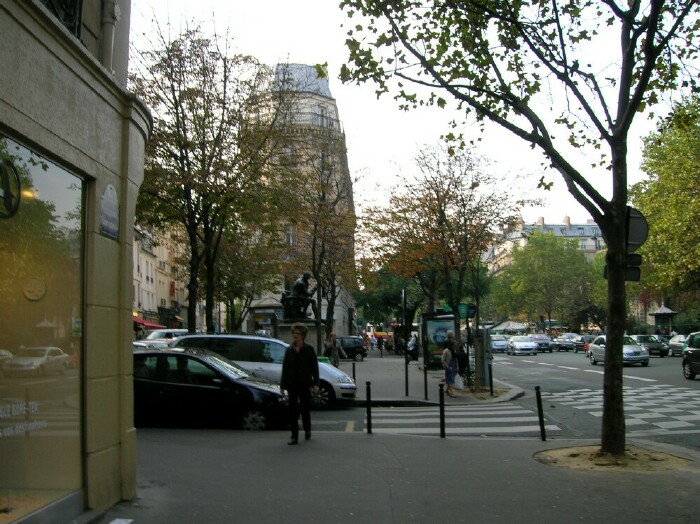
x=36, y=361
x=676, y=345
x=263, y=356
x=499, y=343
x=522, y=345
x=652, y=344
x=632, y=353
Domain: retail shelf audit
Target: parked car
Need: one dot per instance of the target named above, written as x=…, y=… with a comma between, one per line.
x=691, y=356
x=581, y=343
x=35, y=361
x=354, y=347
x=664, y=339
x=522, y=345
x=564, y=341
x=632, y=353
x=196, y=387
x=651, y=344
x=164, y=334
x=676, y=345
x=263, y=356
x=544, y=343
x=4, y=355
x=499, y=343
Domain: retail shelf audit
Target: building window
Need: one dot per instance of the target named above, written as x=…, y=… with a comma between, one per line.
x=41, y=326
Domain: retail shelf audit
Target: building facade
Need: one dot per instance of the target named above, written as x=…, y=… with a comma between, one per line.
x=588, y=235
x=317, y=149
x=72, y=142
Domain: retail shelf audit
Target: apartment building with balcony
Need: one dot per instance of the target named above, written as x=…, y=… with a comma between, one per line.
x=588, y=235
x=318, y=145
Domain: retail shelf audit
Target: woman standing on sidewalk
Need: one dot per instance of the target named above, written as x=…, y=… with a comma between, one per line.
x=299, y=379
x=449, y=363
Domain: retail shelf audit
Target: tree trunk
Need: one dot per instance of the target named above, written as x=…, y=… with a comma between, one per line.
x=615, y=229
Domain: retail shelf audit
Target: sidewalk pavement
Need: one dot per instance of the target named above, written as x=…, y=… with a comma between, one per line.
x=387, y=377
x=194, y=476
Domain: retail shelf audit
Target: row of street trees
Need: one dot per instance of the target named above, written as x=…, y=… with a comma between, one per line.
x=546, y=71
x=433, y=233
x=228, y=172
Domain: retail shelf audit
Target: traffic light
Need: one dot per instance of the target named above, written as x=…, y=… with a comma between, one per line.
x=633, y=271
x=637, y=232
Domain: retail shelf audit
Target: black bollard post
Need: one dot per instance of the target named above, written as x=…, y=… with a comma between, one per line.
x=442, y=411
x=405, y=366
x=369, y=407
x=490, y=378
x=425, y=372
x=540, y=413
x=353, y=373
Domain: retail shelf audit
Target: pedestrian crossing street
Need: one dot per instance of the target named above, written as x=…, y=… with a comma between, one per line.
x=651, y=410
x=494, y=419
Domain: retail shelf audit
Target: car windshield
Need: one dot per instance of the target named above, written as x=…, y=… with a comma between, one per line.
x=223, y=364
x=646, y=338
x=568, y=335
x=498, y=338
x=629, y=341
x=521, y=339
x=540, y=337
x=31, y=352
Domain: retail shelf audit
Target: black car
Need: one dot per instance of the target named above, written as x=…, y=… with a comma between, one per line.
x=691, y=356
x=581, y=343
x=197, y=388
x=564, y=342
x=544, y=343
x=354, y=347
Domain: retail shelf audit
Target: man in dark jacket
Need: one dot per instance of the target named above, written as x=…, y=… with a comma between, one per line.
x=299, y=379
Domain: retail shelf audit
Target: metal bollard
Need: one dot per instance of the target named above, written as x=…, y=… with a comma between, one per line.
x=540, y=413
x=353, y=373
x=491, y=378
x=442, y=411
x=369, y=407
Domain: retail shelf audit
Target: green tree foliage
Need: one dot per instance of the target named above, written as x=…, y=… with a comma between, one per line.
x=380, y=295
x=670, y=200
x=546, y=71
x=217, y=126
x=548, y=277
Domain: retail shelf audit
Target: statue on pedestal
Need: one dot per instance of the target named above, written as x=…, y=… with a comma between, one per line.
x=296, y=301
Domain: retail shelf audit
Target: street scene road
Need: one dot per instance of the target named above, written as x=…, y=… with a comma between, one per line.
x=659, y=403
x=400, y=473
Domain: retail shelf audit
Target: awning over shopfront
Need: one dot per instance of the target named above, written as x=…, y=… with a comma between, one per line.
x=147, y=324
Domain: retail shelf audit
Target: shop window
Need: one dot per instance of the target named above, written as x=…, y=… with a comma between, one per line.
x=41, y=300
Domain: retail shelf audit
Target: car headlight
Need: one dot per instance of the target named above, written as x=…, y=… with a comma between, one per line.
x=346, y=380
x=645, y=351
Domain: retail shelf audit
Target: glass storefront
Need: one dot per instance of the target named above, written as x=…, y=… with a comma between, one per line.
x=41, y=339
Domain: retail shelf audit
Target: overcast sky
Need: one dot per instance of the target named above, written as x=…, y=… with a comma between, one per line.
x=382, y=141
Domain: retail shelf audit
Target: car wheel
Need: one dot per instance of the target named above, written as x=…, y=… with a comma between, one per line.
x=645, y=364
x=325, y=397
x=593, y=360
x=254, y=420
x=687, y=372
x=359, y=357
